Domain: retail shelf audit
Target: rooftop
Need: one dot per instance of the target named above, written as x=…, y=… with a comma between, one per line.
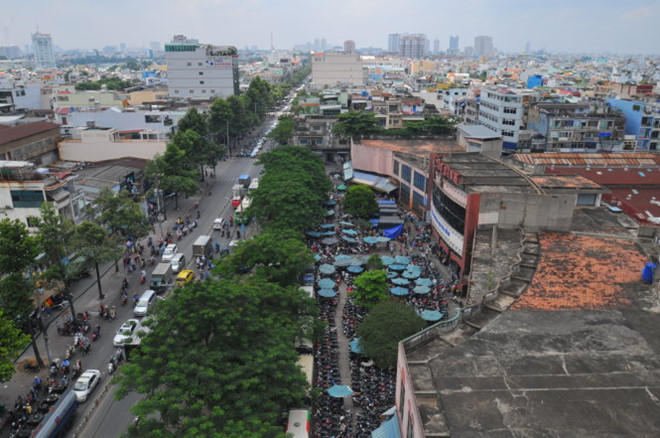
x=417, y=147
x=478, y=131
x=23, y=131
x=588, y=159
x=480, y=173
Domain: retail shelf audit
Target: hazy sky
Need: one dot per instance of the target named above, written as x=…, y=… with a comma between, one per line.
x=620, y=26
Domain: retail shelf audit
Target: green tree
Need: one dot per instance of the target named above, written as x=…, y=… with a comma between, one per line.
x=278, y=256
x=219, y=358
x=195, y=121
x=356, y=124
x=96, y=246
x=17, y=247
x=374, y=263
x=386, y=324
x=219, y=118
x=371, y=287
x=120, y=214
x=283, y=132
x=360, y=201
x=12, y=343
x=170, y=173
x=54, y=235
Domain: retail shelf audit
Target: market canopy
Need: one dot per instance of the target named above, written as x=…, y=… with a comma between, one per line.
x=402, y=260
x=411, y=274
x=396, y=267
x=371, y=240
x=343, y=260
x=328, y=233
x=349, y=231
x=329, y=212
x=313, y=234
x=326, y=283
x=382, y=239
x=394, y=232
x=399, y=291
x=317, y=257
x=348, y=239
x=387, y=260
x=424, y=282
x=431, y=315
x=392, y=274
x=421, y=289
x=327, y=293
x=414, y=268
x=330, y=202
x=341, y=187
x=346, y=224
x=401, y=281
x=358, y=261
x=330, y=241
x=327, y=226
x=389, y=429
x=326, y=269
x=339, y=391
x=355, y=345
x=353, y=269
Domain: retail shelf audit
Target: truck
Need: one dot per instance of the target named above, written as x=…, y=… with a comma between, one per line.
x=161, y=277
x=237, y=195
x=203, y=246
x=245, y=181
x=58, y=419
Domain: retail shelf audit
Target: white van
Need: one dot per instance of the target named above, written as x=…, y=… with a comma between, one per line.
x=144, y=303
x=217, y=223
x=178, y=262
x=170, y=251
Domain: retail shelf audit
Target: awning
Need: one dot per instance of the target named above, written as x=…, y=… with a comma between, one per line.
x=355, y=346
x=377, y=182
x=389, y=429
x=339, y=391
x=327, y=293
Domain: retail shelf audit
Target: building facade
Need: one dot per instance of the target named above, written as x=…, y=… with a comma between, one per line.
x=331, y=69
x=201, y=71
x=42, y=46
x=34, y=142
x=349, y=46
x=503, y=111
x=642, y=121
x=412, y=46
x=483, y=46
x=393, y=42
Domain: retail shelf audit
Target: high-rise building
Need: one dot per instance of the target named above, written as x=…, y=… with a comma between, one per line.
x=349, y=46
x=436, y=46
x=393, y=41
x=453, y=43
x=155, y=46
x=10, y=52
x=42, y=45
x=200, y=71
x=412, y=46
x=483, y=46
x=528, y=47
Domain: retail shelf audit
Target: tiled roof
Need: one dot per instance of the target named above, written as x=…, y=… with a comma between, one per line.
x=588, y=159
x=582, y=273
x=22, y=131
x=413, y=146
x=613, y=176
x=565, y=182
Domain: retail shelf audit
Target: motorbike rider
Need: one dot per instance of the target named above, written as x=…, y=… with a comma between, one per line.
x=135, y=298
x=143, y=276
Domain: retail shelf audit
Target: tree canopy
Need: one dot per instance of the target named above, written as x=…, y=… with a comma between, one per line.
x=120, y=214
x=219, y=358
x=356, y=124
x=371, y=288
x=386, y=324
x=283, y=132
x=360, y=201
x=12, y=343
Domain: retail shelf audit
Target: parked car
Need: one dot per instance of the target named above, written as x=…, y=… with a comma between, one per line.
x=128, y=330
x=184, y=277
x=178, y=262
x=170, y=251
x=86, y=384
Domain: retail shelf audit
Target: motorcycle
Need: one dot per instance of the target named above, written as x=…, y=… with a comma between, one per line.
x=124, y=298
x=70, y=350
x=96, y=333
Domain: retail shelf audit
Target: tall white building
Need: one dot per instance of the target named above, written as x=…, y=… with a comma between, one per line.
x=413, y=46
x=393, y=41
x=200, y=71
x=42, y=46
x=502, y=110
x=483, y=46
x=336, y=69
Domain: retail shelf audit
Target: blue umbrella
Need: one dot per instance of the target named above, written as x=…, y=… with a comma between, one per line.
x=432, y=315
x=411, y=274
x=327, y=233
x=327, y=293
x=353, y=269
x=348, y=239
x=329, y=212
x=341, y=187
x=413, y=268
x=330, y=202
x=317, y=257
x=421, y=289
x=392, y=274
x=343, y=260
x=339, y=391
x=326, y=283
x=313, y=234
x=326, y=269
x=330, y=241
x=345, y=224
x=382, y=239
x=371, y=240
x=424, y=282
x=387, y=260
x=399, y=291
x=349, y=232
x=358, y=261
x=355, y=345
x=401, y=260
x=327, y=226
x=396, y=267
x=401, y=281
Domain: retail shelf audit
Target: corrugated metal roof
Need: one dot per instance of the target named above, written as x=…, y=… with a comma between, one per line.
x=17, y=132
x=573, y=159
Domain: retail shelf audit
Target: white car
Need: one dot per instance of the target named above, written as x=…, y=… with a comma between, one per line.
x=128, y=330
x=217, y=223
x=178, y=262
x=170, y=251
x=86, y=384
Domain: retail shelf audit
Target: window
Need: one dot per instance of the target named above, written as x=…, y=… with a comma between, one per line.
x=316, y=127
x=507, y=133
x=452, y=212
x=201, y=82
x=191, y=91
x=152, y=119
x=27, y=198
x=636, y=108
x=419, y=181
x=404, y=197
x=201, y=73
x=203, y=91
x=176, y=91
x=405, y=172
x=199, y=64
x=509, y=110
x=303, y=141
x=212, y=91
x=418, y=203
x=510, y=122
x=189, y=64
x=32, y=221
x=396, y=167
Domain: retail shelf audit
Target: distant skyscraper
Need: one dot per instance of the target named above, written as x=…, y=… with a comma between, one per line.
x=453, y=45
x=393, y=40
x=528, y=47
x=483, y=46
x=324, y=44
x=436, y=46
x=42, y=45
x=122, y=47
x=317, y=44
x=349, y=46
x=412, y=46
x=155, y=46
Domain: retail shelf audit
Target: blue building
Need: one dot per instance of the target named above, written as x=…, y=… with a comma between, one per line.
x=535, y=81
x=642, y=121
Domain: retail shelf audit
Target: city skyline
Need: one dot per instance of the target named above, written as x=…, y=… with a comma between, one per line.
x=588, y=26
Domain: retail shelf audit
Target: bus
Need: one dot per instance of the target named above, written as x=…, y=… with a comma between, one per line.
x=298, y=425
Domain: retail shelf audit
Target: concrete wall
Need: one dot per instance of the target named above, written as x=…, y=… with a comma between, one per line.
x=534, y=212
x=100, y=150
x=372, y=159
x=406, y=406
x=123, y=120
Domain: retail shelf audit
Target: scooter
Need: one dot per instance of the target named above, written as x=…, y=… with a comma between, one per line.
x=124, y=298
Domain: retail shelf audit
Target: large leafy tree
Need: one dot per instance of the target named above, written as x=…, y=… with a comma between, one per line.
x=386, y=324
x=360, y=201
x=283, y=132
x=219, y=359
x=356, y=124
x=120, y=214
x=171, y=173
x=278, y=256
x=195, y=121
x=220, y=116
x=54, y=235
x=371, y=288
x=96, y=246
x=17, y=247
x=298, y=159
x=12, y=342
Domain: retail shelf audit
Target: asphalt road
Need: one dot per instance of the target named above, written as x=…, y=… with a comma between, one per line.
x=110, y=418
